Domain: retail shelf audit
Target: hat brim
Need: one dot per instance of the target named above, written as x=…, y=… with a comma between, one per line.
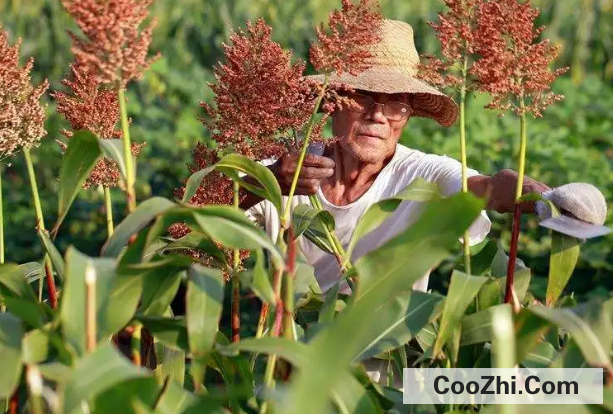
x=428, y=102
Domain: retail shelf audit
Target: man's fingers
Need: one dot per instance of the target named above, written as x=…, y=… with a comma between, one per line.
x=313, y=160
x=315, y=172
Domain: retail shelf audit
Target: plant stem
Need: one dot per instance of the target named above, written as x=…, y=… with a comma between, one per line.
x=290, y=269
x=90, y=308
x=40, y=225
x=509, y=295
x=135, y=343
x=236, y=321
x=14, y=402
x=127, y=149
x=305, y=145
x=1, y=220
x=465, y=237
x=35, y=386
x=108, y=206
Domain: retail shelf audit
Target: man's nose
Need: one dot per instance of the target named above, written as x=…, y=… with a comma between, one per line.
x=376, y=114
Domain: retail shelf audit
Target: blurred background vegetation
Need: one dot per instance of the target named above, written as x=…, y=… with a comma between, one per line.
x=572, y=142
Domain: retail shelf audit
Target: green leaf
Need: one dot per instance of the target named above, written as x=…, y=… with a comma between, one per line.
x=172, y=332
x=529, y=329
x=316, y=234
x=503, y=337
x=384, y=274
x=11, y=334
x=35, y=346
x=113, y=149
x=270, y=189
x=116, y=298
x=562, y=262
x=53, y=252
x=400, y=320
x=418, y=190
x=13, y=279
x=96, y=373
x=492, y=292
x=328, y=310
x=294, y=352
x=127, y=397
x=258, y=280
x=477, y=327
x=80, y=158
x=197, y=241
x=462, y=290
x=421, y=247
x=171, y=364
x=541, y=356
x=230, y=227
x=205, y=294
x=161, y=278
x=304, y=215
x=174, y=399
x=135, y=222
x=193, y=183
x=353, y=398
x=586, y=338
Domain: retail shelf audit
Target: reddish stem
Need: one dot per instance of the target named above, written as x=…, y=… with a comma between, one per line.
x=14, y=403
x=291, y=252
x=279, y=312
x=236, y=320
x=508, y=295
x=50, y=286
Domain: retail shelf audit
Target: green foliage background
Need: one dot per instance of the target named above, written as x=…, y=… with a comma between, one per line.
x=572, y=142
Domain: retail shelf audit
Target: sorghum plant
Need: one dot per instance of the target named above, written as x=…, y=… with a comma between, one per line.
x=22, y=118
x=114, y=50
x=456, y=33
x=515, y=70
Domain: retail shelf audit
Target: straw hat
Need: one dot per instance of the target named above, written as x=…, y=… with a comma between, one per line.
x=394, y=63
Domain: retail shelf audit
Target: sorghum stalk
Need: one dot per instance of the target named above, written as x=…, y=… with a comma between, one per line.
x=108, y=206
x=127, y=149
x=466, y=238
x=305, y=145
x=135, y=343
x=40, y=224
x=509, y=296
x=1, y=220
x=35, y=386
x=90, y=308
x=236, y=321
x=290, y=267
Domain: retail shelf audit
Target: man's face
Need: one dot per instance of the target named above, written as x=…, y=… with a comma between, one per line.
x=369, y=135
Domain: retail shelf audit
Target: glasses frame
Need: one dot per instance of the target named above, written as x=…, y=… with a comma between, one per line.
x=384, y=105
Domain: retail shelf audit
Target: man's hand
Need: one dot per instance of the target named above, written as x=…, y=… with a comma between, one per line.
x=500, y=190
x=315, y=168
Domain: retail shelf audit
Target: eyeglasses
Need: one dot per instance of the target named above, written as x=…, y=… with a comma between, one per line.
x=393, y=110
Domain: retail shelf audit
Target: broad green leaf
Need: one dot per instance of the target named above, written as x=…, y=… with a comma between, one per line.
x=421, y=247
x=35, y=346
x=477, y=327
x=258, y=280
x=581, y=332
x=492, y=292
x=481, y=262
x=305, y=284
x=14, y=280
x=135, y=222
x=303, y=216
x=174, y=399
x=116, y=298
x=96, y=373
x=399, y=320
x=230, y=227
x=53, y=252
x=418, y=190
x=529, y=329
x=462, y=290
x=172, y=332
x=80, y=158
x=328, y=309
x=294, y=352
x=11, y=334
x=316, y=234
x=113, y=149
x=503, y=337
x=231, y=164
x=55, y=371
x=384, y=274
x=128, y=397
x=30, y=312
x=541, y=356
x=353, y=398
x=562, y=262
x=171, y=364
x=501, y=262
x=205, y=295
x=197, y=241
x=193, y=183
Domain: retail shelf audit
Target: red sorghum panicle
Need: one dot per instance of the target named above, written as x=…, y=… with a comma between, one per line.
x=511, y=64
x=92, y=106
x=114, y=47
x=456, y=33
x=343, y=45
x=22, y=117
x=260, y=95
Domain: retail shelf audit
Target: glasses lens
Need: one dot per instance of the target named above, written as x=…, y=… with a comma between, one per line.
x=397, y=110
x=362, y=103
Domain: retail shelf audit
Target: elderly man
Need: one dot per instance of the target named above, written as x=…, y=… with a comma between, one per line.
x=367, y=164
